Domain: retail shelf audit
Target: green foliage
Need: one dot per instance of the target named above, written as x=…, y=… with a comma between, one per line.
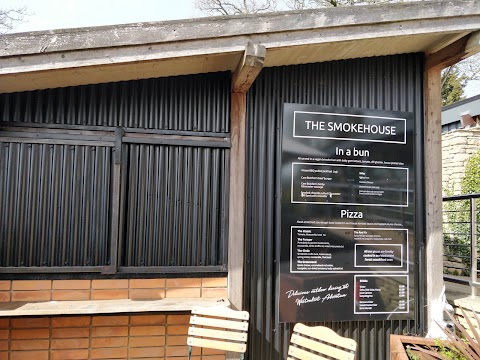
x=470, y=183
x=453, y=84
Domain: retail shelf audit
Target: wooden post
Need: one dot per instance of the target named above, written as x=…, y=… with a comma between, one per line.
x=433, y=195
x=247, y=71
x=434, y=63
x=236, y=224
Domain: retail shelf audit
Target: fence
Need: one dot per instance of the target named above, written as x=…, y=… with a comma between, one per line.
x=461, y=220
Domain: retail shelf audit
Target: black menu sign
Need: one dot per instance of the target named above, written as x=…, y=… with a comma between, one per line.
x=347, y=244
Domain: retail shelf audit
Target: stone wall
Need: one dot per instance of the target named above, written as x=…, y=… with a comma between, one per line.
x=457, y=147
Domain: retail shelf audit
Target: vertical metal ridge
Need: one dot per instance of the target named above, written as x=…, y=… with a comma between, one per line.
x=390, y=83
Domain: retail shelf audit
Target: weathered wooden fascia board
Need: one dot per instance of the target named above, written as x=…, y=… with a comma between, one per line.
x=217, y=27
x=233, y=44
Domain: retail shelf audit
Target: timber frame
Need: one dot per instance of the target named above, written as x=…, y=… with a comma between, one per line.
x=445, y=31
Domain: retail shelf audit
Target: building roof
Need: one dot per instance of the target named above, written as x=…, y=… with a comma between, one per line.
x=452, y=113
x=58, y=58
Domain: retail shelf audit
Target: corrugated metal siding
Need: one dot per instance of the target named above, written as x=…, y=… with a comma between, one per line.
x=54, y=205
x=184, y=103
x=390, y=83
x=55, y=200
x=175, y=212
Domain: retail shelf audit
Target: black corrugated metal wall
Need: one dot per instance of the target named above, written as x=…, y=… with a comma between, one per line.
x=388, y=83
x=57, y=181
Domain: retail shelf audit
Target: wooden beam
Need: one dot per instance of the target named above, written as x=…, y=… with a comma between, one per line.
x=473, y=44
x=433, y=196
x=236, y=224
x=249, y=67
x=247, y=71
x=459, y=50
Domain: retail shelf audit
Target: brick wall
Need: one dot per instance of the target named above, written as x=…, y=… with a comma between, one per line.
x=125, y=336
x=457, y=147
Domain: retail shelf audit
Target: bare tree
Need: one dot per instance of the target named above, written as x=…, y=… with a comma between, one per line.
x=9, y=17
x=235, y=7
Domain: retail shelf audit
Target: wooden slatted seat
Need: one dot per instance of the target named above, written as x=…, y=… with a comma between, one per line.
x=218, y=328
x=319, y=343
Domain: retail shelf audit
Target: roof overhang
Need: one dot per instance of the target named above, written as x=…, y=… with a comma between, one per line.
x=60, y=58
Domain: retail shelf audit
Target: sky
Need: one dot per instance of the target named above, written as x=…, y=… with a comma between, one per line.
x=62, y=14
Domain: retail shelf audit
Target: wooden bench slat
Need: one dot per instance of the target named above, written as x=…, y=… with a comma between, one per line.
x=325, y=334
x=304, y=355
x=218, y=334
x=215, y=344
x=322, y=348
x=221, y=311
x=227, y=324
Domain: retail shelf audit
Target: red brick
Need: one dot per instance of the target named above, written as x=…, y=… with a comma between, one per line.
x=147, y=294
x=29, y=344
x=109, y=342
x=144, y=352
x=109, y=294
x=110, y=331
x=70, y=333
x=4, y=334
x=4, y=355
x=4, y=323
x=113, y=320
x=147, y=330
x=31, y=285
x=71, y=321
x=78, y=354
x=69, y=344
x=147, y=320
x=178, y=319
x=63, y=295
x=215, y=282
x=110, y=284
x=110, y=353
x=208, y=351
x=5, y=285
x=30, y=334
x=4, y=296
x=182, y=283
x=183, y=293
x=31, y=295
x=30, y=323
x=181, y=351
x=147, y=283
x=148, y=341
x=214, y=293
x=71, y=285
x=3, y=345
x=177, y=330
x=176, y=340
x=29, y=355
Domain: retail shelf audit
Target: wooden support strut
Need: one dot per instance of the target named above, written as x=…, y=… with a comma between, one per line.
x=247, y=70
x=459, y=50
